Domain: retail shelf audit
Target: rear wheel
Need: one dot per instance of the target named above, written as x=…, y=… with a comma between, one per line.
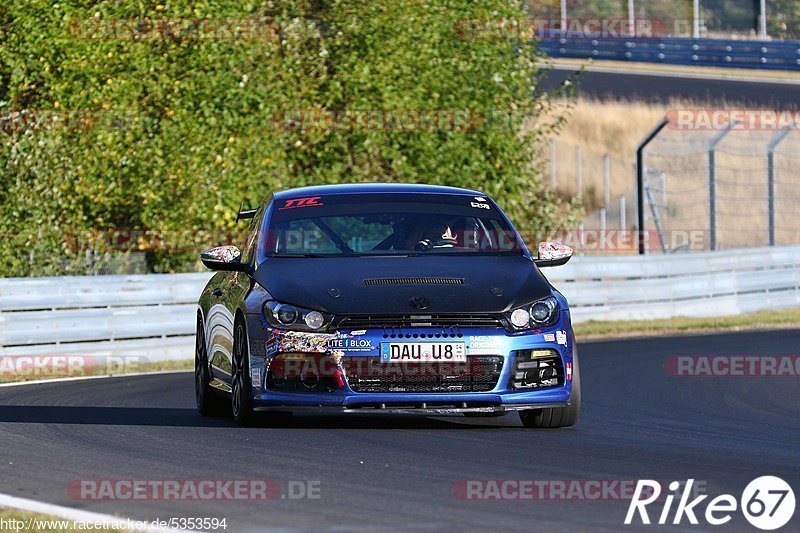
x=556, y=417
x=208, y=403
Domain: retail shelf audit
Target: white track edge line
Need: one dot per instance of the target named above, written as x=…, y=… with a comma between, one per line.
x=86, y=378
x=68, y=513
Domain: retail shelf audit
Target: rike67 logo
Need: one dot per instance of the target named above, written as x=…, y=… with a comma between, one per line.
x=767, y=503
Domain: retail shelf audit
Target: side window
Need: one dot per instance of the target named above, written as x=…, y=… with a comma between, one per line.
x=249, y=247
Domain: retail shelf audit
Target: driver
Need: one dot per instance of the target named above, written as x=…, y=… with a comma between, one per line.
x=437, y=235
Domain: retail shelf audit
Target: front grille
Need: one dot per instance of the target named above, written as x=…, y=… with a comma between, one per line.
x=537, y=369
x=414, y=281
x=408, y=321
x=368, y=374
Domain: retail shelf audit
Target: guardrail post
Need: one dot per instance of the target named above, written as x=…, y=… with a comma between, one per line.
x=640, y=181
x=622, y=222
x=773, y=144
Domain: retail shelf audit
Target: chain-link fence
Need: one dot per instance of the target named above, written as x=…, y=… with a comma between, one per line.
x=606, y=187
x=724, y=187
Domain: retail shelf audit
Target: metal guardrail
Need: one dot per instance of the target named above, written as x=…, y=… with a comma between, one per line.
x=153, y=316
x=149, y=316
x=702, y=284
x=781, y=55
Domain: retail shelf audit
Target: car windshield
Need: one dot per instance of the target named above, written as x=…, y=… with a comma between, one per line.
x=387, y=224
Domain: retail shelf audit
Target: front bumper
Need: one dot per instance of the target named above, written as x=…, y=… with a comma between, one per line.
x=504, y=396
x=429, y=409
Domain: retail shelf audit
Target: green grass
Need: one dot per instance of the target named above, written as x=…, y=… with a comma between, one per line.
x=39, y=523
x=635, y=328
x=8, y=374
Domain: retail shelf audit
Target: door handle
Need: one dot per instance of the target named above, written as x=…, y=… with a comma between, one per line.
x=217, y=292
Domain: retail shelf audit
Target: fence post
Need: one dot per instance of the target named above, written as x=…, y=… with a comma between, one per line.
x=712, y=200
x=606, y=180
x=773, y=144
x=622, y=222
x=640, y=180
x=602, y=238
x=712, y=186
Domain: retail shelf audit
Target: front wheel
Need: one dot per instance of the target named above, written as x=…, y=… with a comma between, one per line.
x=241, y=390
x=557, y=417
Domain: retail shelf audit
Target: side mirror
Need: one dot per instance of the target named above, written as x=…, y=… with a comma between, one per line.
x=225, y=258
x=553, y=254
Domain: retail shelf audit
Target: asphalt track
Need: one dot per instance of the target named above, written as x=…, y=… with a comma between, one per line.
x=662, y=88
x=398, y=473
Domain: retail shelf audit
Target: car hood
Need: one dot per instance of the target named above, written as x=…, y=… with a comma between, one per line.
x=491, y=284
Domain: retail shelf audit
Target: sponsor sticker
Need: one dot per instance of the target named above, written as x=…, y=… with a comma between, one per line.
x=255, y=375
x=483, y=342
x=479, y=205
x=271, y=346
x=550, y=337
x=569, y=372
x=294, y=203
x=351, y=345
x=561, y=337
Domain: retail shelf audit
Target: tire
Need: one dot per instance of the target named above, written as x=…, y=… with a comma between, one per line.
x=558, y=417
x=241, y=388
x=208, y=402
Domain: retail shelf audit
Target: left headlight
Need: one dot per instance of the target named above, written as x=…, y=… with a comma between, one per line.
x=291, y=317
x=540, y=313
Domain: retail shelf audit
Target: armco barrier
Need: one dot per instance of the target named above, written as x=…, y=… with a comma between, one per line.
x=153, y=316
x=782, y=55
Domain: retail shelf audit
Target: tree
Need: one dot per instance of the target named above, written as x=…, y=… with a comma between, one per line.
x=131, y=125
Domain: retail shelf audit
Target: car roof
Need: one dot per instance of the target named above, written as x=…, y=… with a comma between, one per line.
x=373, y=188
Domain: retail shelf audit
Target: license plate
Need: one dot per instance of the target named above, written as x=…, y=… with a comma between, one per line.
x=423, y=352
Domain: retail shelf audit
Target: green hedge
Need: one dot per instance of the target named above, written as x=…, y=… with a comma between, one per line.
x=111, y=127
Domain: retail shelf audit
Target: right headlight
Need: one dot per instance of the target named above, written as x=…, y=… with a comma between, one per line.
x=541, y=313
x=291, y=317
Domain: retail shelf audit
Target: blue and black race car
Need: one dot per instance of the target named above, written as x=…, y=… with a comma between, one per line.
x=385, y=298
